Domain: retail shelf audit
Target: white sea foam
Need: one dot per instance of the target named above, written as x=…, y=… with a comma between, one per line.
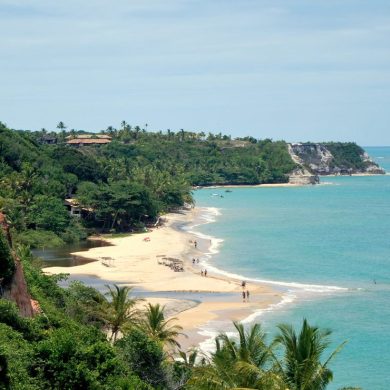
x=208, y=346
x=286, y=299
x=294, y=289
x=209, y=215
x=292, y=285
x=326, y=183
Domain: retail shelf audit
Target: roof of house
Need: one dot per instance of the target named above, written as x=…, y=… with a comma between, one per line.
x=88, y=141
x=88, y=136
x=71, y=202
x=81, y=136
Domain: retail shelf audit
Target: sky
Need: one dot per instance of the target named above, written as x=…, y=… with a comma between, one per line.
x=298, y=70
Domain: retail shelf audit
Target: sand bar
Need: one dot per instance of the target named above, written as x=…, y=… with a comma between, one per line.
x=137, y=259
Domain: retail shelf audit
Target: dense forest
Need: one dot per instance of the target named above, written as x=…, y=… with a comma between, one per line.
x=123, y=185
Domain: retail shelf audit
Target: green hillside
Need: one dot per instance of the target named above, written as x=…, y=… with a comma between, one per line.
x=124, y=184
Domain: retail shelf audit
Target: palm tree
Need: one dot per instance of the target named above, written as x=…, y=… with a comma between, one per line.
x=251, y=346
x=243, y=363
x=189, y=358
x=159, y=329
x=137, y=130
x=61, y=125
x=301, y=365
x=119, y=311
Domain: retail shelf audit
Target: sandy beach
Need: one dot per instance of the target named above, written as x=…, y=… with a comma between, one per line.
x=265, y=185
x=137, y=260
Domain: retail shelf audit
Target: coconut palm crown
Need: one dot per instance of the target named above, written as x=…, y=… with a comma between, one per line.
x=301, y=365
x=155, y=325
x=119, y=310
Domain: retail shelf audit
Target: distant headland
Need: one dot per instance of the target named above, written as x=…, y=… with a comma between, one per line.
x=329, y=158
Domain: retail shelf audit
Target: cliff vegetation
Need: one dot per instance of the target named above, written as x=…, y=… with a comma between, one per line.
x=127, y=178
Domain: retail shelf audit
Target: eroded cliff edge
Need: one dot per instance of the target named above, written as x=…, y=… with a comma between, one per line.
x=333, y=158
x=12, y=282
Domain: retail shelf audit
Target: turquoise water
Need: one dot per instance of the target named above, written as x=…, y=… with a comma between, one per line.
x=334, y=236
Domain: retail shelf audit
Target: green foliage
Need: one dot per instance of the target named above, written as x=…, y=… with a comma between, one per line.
x=347, y=155
x=15, y=357
x=9, y=315
x=7, y=265
x=243, y=363
x=75, y=361
x=158, y=328
x=82, y=165
x=301, y=365
x=126, y=184
x=247, y=361
x=130, y=382
x=74, y=232
x=39, y=239
x=48, y=213
x=119, y=311
x=118, y=205
x=63, y=347
x=143, y=356
x=43, y=288
x=84, y=304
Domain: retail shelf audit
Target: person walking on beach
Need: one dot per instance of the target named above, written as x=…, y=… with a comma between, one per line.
x=243, y=296
x=247, y=295
x=205, y=272
x=243, y=284
x=195, y=244
x=201, y=272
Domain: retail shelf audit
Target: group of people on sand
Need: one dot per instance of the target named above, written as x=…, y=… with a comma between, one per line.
x=245, y=294
x=203, y=272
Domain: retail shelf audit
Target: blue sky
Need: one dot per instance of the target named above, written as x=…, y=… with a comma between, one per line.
x=295, y=69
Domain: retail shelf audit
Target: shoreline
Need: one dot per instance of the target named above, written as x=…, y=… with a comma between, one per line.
x=134, y=260
x=266, y=185
x=275, y=185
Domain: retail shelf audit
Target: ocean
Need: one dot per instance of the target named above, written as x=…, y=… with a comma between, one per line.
x=327, y=248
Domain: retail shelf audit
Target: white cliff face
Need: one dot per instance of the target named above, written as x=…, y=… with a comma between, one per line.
x=316, y=159
x=300, y=175
x=372, y=168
